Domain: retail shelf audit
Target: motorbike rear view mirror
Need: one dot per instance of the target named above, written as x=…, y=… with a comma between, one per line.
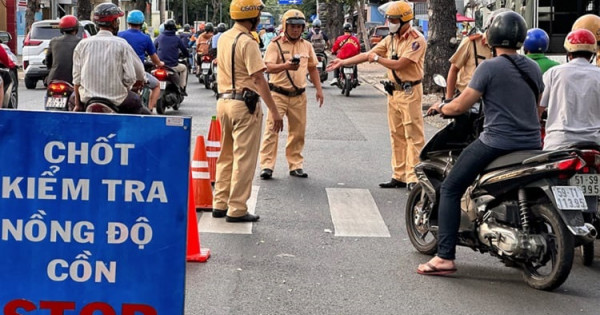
x=439, y=80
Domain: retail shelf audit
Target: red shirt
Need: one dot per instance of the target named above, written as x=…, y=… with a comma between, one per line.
x=5, y=59
x=350, y=48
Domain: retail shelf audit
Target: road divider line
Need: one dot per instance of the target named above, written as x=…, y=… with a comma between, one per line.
x=208, y=224
x=355, y=214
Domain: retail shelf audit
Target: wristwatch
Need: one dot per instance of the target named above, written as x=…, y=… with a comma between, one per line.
x=376, y=58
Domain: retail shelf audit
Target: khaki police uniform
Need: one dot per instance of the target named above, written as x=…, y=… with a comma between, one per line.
x=292, y=106
x=240, y=130
x=405, y=116
x=464, y=58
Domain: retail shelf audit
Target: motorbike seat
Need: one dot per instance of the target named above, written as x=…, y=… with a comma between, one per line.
x=98, y=104
x=513, y=158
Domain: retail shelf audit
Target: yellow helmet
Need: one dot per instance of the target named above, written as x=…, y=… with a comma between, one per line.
x=590, y=22
x=399, y=10
x=245, y=9
x=292, y=16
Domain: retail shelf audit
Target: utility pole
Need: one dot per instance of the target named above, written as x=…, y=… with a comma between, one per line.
x=184, y=12
x=162, y=11
x=206, y=17
x=53, y=4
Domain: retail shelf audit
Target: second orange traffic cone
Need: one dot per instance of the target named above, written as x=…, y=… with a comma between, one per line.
x=213, y=147
x=201, y=177
x=194, y=253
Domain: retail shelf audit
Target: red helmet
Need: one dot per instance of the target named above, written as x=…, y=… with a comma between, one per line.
x=68, y=23
x=580, y=40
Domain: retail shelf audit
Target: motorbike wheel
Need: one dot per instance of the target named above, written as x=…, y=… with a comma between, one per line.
x=587, y=254
x=551, y=270
x=160, y=107
x=417, y=213
x=347, y=87
x=207, y=83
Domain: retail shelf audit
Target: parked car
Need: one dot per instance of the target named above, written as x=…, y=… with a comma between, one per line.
x=36, y=45
x=376, y=34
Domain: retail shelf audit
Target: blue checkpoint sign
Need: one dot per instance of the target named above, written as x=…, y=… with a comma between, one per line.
x=288, y=2
x=93, y=212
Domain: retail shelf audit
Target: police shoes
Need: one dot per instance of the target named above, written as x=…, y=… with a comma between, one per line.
x=298, y=173
x=393, y=183
x=216, y=213
x=246, y=218
x=266, y=173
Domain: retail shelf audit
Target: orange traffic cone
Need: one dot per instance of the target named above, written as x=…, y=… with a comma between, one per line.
x=213, y=147
x=201, y=177
x=194, y=252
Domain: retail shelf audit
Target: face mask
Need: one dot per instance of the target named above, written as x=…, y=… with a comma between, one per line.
x=394, y=27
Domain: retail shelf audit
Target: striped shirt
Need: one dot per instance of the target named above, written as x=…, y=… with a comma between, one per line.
x=105, y=66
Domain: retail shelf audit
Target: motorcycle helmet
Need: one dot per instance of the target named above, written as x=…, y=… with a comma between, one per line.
x=106, y=13
x=68, y=23
x=245, y=9
x=170, y=25
x=186, y=28
x=316, y=23
x=135, y=17
x=222, y=27
x=491, y=17
x=397, y=10
x=209, y=27
x=537, y=41
x=580, y=40
x=347, y=27
x=508, y=30
x=293, y=17
x=590, y=22
x=270, y=29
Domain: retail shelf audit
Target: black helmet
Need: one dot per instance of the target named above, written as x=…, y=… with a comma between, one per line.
x=347, y=27
x=209, y=27
x=508, y=30
x=186, y=28
x=106, y=13
x=222, y=27
x=170, y=25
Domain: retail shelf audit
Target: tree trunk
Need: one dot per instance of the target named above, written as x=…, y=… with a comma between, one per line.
x=32, y=7
x=362, y=29
x=442, y=28
x=84, y=10
x=141, y=5
x=216, y=7
x=331, y=15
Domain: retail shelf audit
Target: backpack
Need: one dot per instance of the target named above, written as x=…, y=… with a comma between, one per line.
x=318, y=41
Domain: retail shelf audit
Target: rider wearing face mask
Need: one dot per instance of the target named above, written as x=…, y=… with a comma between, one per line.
x=105, y=66
x=403, y=54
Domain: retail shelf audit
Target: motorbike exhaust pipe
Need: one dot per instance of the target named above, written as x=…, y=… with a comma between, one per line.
x=591, y=234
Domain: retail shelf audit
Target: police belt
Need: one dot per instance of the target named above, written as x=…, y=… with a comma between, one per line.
x=285, y=92
x=230, y=96
x=400, y=87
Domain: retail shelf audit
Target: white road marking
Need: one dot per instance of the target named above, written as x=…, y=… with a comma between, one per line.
x=354, y=213
x=208, y=224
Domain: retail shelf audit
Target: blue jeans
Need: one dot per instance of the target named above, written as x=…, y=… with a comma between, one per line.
x=469, y=164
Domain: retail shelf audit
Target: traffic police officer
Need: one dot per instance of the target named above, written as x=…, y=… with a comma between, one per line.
x=590, y=22
x=241, y=81
x=470, y=53
x=403, y=54
x=288, y=58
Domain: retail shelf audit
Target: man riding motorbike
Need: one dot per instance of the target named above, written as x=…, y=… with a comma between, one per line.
x=345, y=46
x=142, y=45
x=268, y=35
x=59, y=57
x=317, y=37
x=221, y=28
x=169, y=47
x=105, y=66
x=203, y=44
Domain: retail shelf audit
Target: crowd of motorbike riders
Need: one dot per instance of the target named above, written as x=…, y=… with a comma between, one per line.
x=104, y=71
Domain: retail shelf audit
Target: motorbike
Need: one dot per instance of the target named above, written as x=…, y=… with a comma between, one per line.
x=206, y=71
x=57, y=95
x=346, y=79
x=523, y=208
x=171, y=94
x=101, y=106
x=9, y=77
x=321, y=66
x=213, y=79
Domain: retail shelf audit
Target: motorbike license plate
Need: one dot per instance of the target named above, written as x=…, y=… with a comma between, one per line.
x=589, y=183
x=569, y=198
x=348, y=71
x=204, y=71
x=205, y=66
x=163, y=85
x=56, y=102
x=320, y=65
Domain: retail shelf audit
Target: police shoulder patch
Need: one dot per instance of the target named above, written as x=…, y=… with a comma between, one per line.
x=416, y=46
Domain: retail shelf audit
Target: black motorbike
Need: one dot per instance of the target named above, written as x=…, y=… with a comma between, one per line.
x=11, y=93
x=522, y=208
x=58, y=93
x=321, y=66
x=347, y=80
x=205, y=75
x=171, y=94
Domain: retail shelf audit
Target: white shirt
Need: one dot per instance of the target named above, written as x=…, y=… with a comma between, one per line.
x=105, y=66
x=572, y=98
